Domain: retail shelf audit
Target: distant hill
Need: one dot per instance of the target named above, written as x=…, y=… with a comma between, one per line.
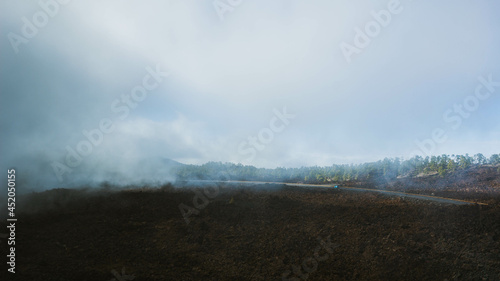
x=172, y=163
x=382, y=171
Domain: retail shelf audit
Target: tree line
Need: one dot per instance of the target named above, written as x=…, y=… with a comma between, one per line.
x=388, y=169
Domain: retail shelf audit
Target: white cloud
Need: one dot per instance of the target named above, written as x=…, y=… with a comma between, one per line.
x=228, y=76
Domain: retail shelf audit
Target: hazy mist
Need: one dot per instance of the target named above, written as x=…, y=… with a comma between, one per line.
x=207, y=81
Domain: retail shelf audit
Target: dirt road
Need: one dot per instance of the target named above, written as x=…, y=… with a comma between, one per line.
x=387, y=192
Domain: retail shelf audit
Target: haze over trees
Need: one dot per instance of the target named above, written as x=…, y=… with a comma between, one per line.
x=388, y=169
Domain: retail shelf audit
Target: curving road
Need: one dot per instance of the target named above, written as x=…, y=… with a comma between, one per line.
x=392, y=193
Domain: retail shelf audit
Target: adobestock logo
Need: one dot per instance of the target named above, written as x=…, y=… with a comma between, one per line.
x=225, y=6
x=310, y=264
x=277, y=124
x=363, y=38
x=455, y=116
x=201, y=200
x=40, y=19
x=122, y=107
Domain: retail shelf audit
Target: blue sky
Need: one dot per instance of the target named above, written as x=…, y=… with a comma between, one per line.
x=229, y=75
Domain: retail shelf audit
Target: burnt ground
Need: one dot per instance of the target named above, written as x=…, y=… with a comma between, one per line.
x=251, y=233
x=477, y=184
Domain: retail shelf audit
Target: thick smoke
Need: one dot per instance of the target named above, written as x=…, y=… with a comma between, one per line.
x=86, y=63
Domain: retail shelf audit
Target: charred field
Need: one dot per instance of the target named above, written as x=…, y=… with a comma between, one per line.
x=266, y=232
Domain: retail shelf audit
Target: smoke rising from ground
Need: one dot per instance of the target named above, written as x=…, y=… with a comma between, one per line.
x=227, y=77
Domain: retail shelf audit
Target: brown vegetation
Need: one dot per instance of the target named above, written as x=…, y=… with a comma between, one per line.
x=247, y=233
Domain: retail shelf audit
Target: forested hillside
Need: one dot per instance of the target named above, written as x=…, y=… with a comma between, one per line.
x=387, y=169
